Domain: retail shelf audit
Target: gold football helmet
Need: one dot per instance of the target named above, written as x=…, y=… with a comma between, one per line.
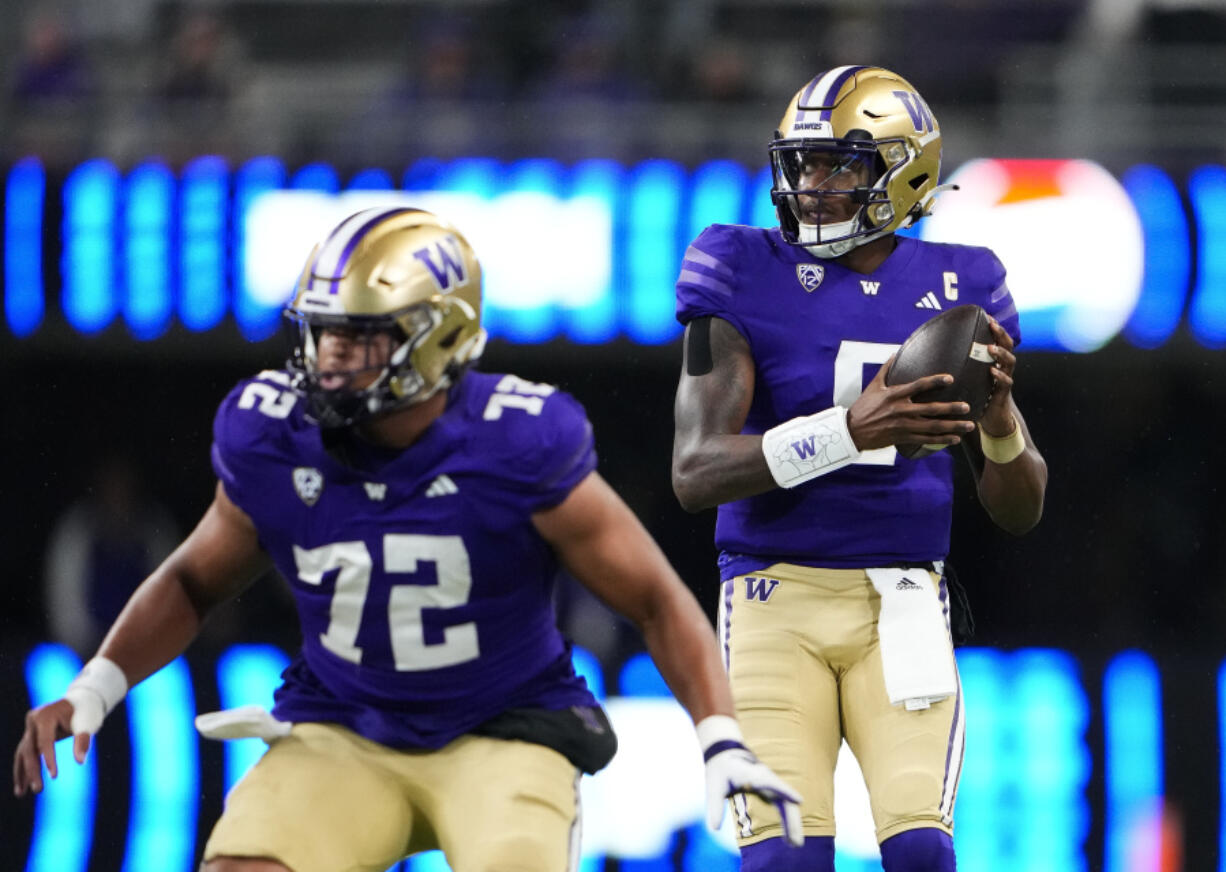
x=872, y=139
x=399, y=272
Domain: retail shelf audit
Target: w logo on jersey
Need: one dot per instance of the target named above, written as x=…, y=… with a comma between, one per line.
x=810, y=275
x=444, y=261
x=759, y=588
x=921, y=115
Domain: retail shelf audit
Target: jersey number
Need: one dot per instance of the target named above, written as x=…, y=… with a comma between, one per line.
x=401, y=554
x=849, y=383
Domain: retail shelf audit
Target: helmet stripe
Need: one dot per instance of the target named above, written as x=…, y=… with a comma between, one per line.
x=828, y=89
x=340, y=246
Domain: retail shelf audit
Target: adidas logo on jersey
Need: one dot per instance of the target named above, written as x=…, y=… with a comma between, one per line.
x=441, y=487
x=928, y=301
x=907, y=584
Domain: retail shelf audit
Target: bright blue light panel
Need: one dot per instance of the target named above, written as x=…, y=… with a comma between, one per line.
x=148, y=213
x=202, y=256
x=536, y=323
x=1132, y=722
x=247, y=675
x=256, y=319
x=1168, y=256
x=91, y=197
x=759, y=206
x=597, y=321
x=640, y=677
x=1051, y=715
x=430, y=861
x=316, y=177
x=653, y=250
x=471, y=175
x=1207, y=314
x=423, y=174
x=64, y=811
x=371, y=180
x=717, y=196
x=165, y=773
x=1026, y=759
x=587, y=667
x=23, y=246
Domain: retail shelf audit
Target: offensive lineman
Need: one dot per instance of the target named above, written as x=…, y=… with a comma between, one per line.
x=419, y=512
x=784, y=421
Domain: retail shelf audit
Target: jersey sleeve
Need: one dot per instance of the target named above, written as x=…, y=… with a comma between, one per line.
x=709, y=277
x=999, y=303
x=243, y=439
x=543, y=454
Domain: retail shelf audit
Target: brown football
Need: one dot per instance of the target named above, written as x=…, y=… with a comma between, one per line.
x=955, y=342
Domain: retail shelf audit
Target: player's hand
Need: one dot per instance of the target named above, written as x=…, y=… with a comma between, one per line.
x=885, y=415
x=998, y=418
x=732, y=768
x=45, y=726
x=736, y=770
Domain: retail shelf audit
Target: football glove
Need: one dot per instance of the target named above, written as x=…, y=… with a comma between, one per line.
x=732, y=768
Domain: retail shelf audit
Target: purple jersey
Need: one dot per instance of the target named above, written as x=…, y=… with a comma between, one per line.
x=422, y=586
x=818, y=333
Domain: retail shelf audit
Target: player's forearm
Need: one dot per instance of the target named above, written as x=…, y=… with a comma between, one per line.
x=719, y=470
x=1013, y=492
x=155, y=627
x=684, y=649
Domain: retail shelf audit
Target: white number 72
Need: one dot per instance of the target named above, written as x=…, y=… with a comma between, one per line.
x=401, y=554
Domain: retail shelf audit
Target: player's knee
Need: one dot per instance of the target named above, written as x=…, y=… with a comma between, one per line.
x=909, y=795
x=776, y=855
x=922, y=850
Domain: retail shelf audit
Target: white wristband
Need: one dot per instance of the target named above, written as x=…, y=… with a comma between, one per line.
x=718, y=728
x=94, y=693
x=804, y=448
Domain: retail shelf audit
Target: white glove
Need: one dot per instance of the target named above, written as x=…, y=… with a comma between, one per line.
x=244, y=722
x=732, y=768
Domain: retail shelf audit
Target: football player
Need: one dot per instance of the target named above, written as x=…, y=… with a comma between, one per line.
x=420, y=511
x=784, y=420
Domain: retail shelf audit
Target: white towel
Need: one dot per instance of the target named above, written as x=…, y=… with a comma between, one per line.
x=247, y=721
x=917, y=655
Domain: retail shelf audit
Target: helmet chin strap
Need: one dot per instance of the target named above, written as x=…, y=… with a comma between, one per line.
x=808, y=235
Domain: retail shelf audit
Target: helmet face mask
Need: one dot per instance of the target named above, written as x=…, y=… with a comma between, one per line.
x=857, y=156
x=394, y=295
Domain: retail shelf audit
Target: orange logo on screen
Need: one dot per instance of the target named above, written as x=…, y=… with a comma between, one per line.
x=1030, y=179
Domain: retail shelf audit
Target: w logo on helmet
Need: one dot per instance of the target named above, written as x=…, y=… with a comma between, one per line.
x=445, y=262
x=921, y=116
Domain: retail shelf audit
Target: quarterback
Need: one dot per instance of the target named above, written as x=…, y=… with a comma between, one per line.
x=419, y=511
x=834, y=611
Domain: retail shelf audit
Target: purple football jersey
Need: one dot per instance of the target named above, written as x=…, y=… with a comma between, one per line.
x=818, y=333
x=422, y=586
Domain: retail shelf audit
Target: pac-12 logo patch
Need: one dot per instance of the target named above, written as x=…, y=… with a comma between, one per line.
x=308, y=483
x=810, y=275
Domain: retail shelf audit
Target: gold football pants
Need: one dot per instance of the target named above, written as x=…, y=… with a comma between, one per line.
x=324, y=799
x=803, y=657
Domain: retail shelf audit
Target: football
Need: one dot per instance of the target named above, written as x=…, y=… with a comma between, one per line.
x=955, y=342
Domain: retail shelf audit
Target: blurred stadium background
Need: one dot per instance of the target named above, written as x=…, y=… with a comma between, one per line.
x=165, y=164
